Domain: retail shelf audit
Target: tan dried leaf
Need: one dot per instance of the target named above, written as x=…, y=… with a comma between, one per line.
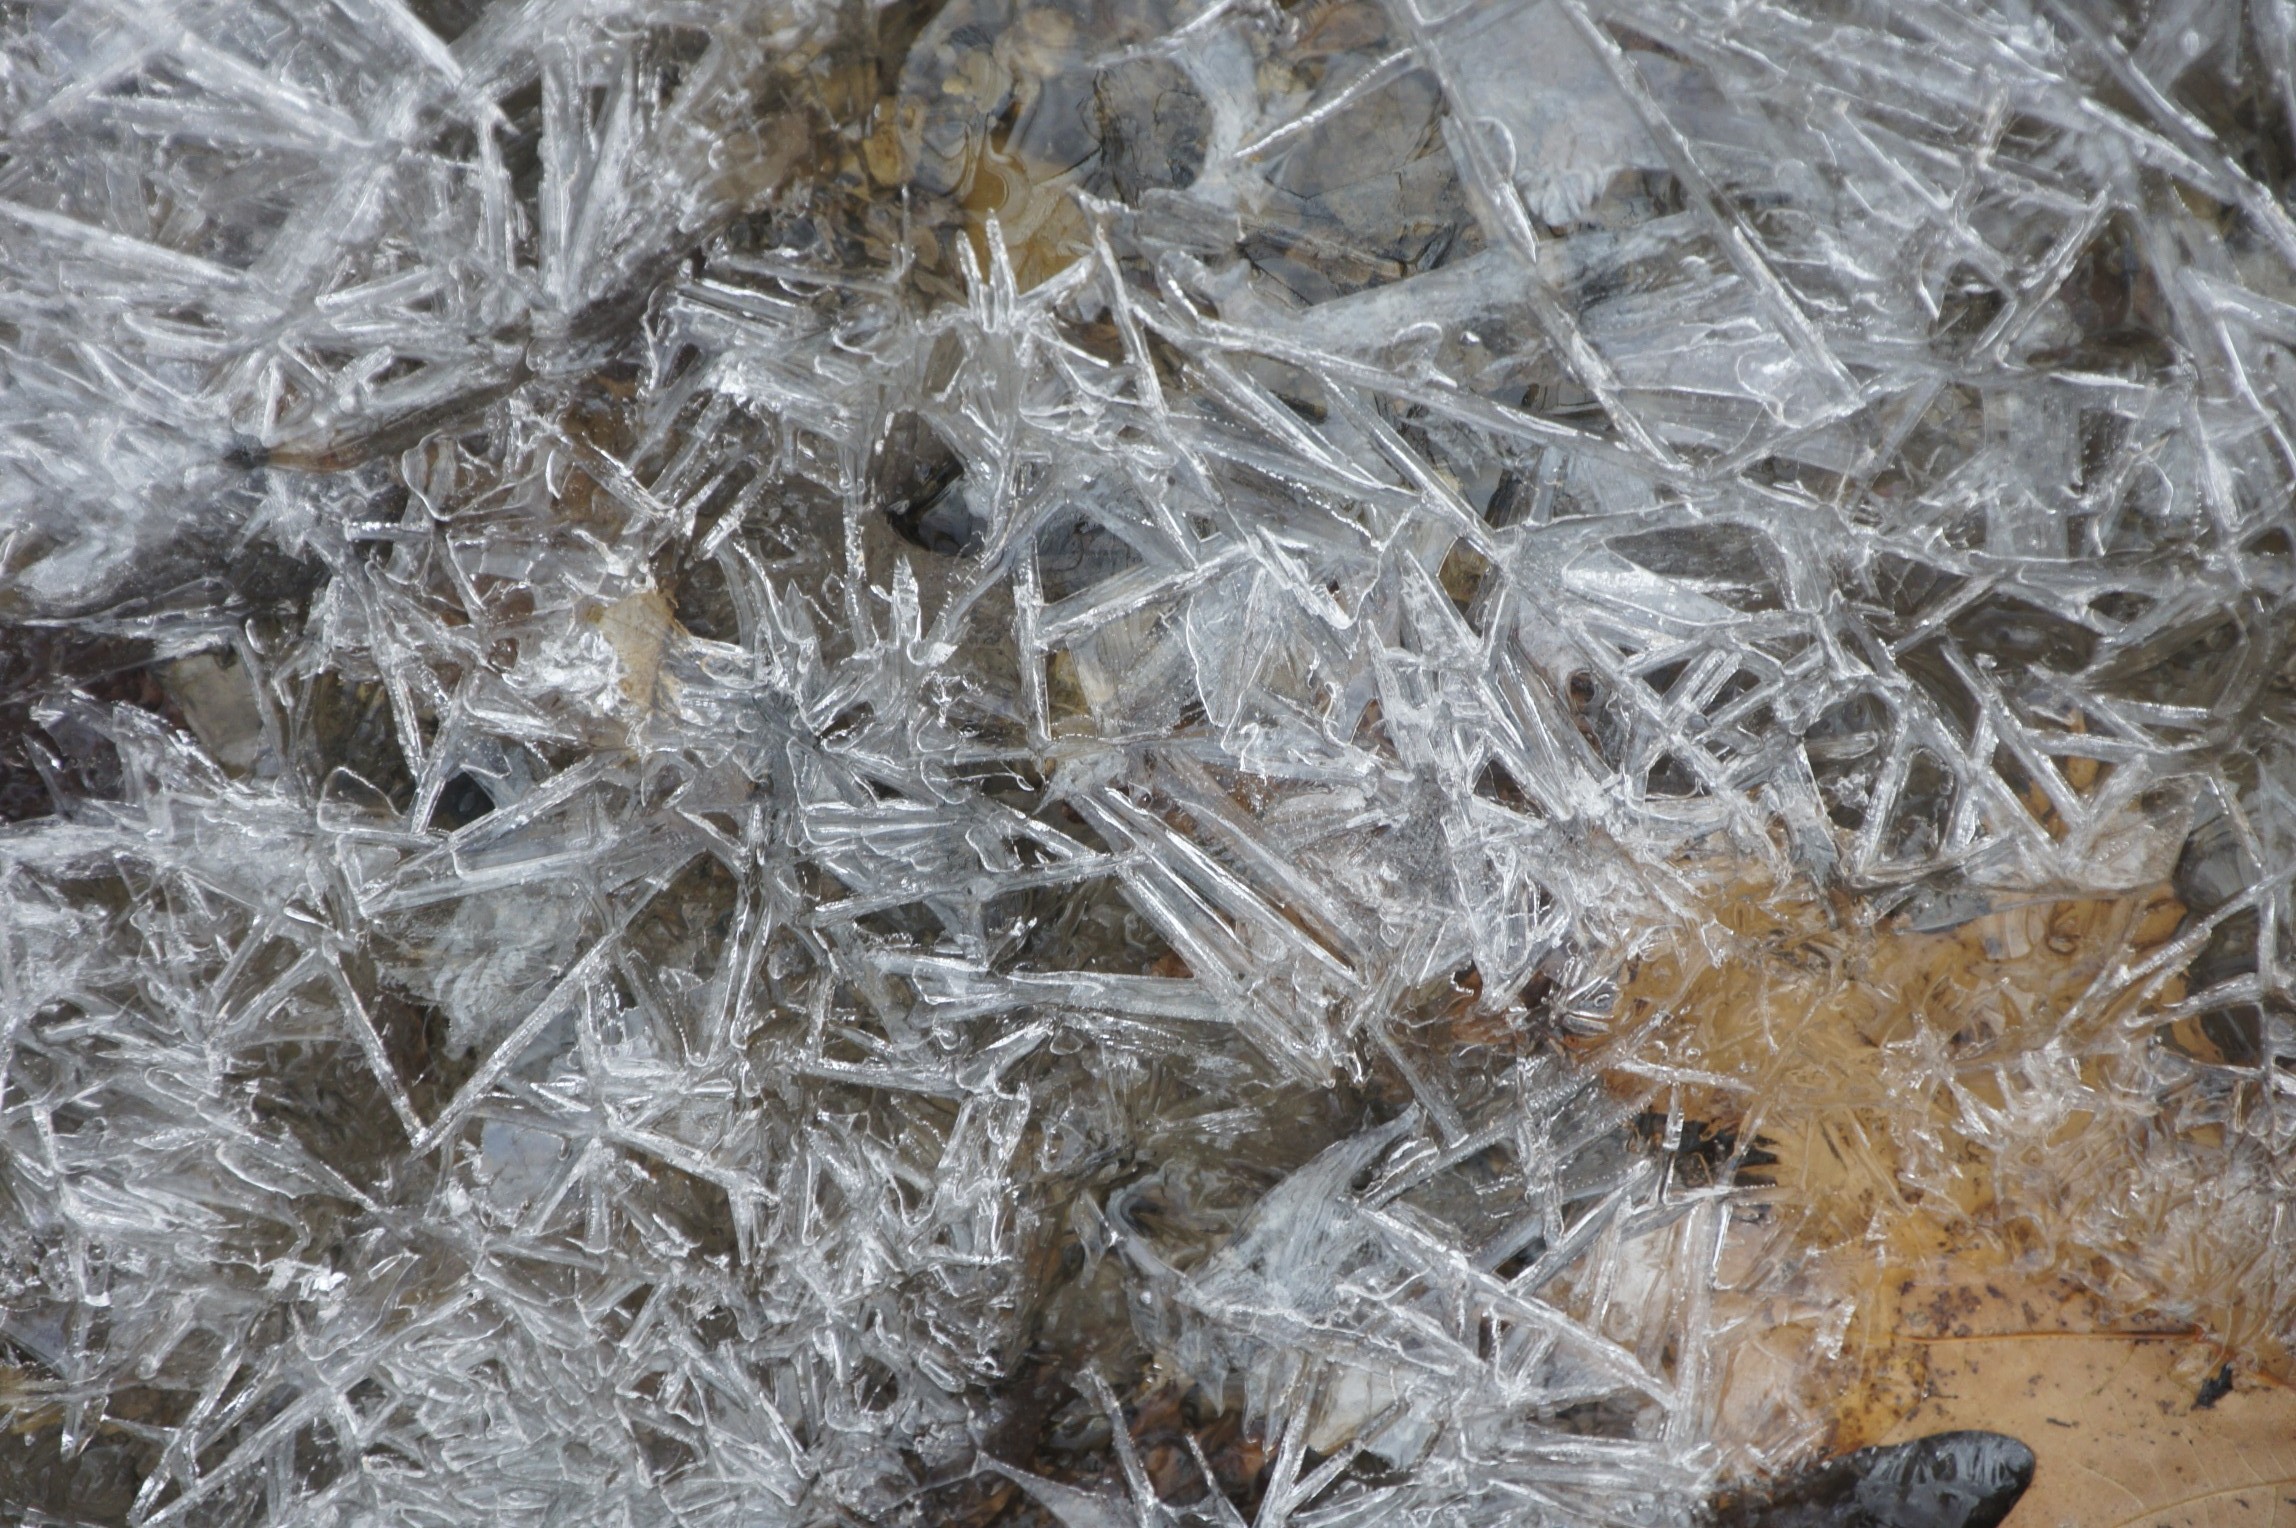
x=2128, y=1429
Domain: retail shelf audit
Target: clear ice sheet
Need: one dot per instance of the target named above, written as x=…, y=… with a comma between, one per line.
x=751, y=740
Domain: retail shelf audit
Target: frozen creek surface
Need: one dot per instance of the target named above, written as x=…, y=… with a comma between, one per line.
x=780, y=763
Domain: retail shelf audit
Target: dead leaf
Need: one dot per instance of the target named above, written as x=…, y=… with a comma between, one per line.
x=2115, y=1422
x=1977, y=1139
x=638, y=627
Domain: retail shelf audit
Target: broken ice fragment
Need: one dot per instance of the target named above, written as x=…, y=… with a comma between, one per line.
x=1523, y=73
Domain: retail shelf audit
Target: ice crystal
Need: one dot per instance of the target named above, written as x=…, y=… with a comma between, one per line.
x=775, y=763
